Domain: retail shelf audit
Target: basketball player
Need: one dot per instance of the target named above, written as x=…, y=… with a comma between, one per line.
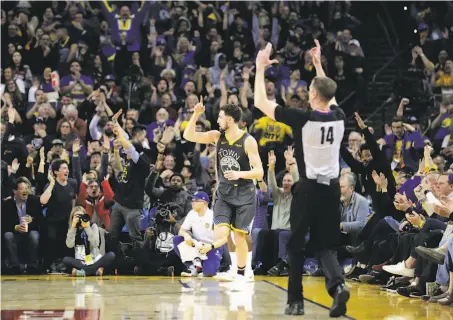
x=318, y=135
x=238, y=163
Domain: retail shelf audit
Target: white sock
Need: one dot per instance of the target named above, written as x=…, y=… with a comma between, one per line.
x=248, y=266
x=234, y=262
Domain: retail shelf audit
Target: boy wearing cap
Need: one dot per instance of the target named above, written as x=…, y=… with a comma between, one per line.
x=197, y=231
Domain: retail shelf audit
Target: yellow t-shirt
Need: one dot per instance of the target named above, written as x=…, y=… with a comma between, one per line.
x=272, y=131
x=444, y=80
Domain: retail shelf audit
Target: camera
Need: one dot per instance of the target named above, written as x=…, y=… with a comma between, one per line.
x=84, y=218
x=163, y=209
x=410, y=228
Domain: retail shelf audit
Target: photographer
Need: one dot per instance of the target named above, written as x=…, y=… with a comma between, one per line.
x=197, y=231
x=88, y=241
x=174, y=194
x=157, y=256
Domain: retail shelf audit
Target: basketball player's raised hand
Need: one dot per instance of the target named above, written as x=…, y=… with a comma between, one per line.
x=263, y=58
x=199, y=108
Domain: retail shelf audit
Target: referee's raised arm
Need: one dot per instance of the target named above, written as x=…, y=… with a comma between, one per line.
x=260, y=97
x=293, y=117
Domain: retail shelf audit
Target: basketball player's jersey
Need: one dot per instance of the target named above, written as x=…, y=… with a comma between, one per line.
x=231, y=155
x=318, y=137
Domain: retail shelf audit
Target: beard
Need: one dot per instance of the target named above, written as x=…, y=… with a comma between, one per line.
x=222, y=130
x=176, y=188
x=108, y=132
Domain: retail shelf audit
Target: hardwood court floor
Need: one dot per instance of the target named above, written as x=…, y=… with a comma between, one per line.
x=129, y=298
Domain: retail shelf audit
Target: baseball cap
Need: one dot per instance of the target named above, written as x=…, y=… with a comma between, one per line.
x=422, y=26
x=201, y=195
x=160, y=41
x=355, y=42
x=57, y=142
x=110, y=77
x=412, y=120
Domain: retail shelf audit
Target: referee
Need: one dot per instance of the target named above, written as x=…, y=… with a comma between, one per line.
x=315, y=207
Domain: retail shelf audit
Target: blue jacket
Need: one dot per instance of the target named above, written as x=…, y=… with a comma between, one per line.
x=354, y=215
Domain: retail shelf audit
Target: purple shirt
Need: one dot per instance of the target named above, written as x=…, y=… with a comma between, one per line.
x=444, y=128
x=409, y=186
x=46, y=87
x=76, y=92
x=260, y=220
x=21, y=209
x=153, y=125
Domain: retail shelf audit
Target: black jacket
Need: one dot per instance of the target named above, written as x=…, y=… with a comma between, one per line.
x=10, y=217
x=379, y=163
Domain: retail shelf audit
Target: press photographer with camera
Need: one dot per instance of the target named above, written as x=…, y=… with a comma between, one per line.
x=88, y=241
x=173, y=194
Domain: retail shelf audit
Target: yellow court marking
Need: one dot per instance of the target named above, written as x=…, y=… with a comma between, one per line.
x=369, y=302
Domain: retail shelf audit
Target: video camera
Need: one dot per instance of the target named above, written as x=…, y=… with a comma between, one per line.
x=163, y=210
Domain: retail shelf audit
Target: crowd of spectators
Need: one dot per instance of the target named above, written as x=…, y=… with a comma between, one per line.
x=96, y=174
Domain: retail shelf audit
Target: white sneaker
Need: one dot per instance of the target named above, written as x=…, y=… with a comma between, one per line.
x=230, y=276
x=224, y=276
x=399, y=269
x=192, y=272
x=239, y=283
x=250, y=276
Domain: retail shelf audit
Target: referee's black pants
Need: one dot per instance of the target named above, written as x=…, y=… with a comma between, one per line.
x=315, y=208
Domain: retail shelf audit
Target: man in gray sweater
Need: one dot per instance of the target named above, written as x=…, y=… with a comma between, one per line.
x=282, y=198
x=354, y=208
